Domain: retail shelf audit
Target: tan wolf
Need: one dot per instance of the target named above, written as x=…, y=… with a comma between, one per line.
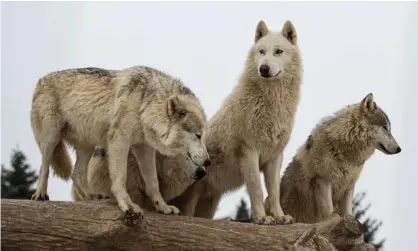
x=321, y=177
x=170, y=170
x=137, y=109
x=250, y=131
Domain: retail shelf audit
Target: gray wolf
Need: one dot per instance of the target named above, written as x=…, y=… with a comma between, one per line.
x=138, y=109
x=321, y=177
x=172, y=179
x=251, y=129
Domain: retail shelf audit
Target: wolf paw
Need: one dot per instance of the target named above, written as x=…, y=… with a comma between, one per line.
x=264, y=220
x=40, y=196
x=133, y=216
x=168, y=210
x=284, y=220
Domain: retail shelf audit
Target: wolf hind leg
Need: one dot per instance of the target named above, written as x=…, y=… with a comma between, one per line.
x=79, y=175
x=47, y=141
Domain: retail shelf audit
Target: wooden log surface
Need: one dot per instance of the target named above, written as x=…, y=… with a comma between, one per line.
x=99, y=225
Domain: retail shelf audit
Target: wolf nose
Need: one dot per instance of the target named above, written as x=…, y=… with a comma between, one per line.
x=264, y=70
x=200, y=173
x=398, y=150
x=207, y=163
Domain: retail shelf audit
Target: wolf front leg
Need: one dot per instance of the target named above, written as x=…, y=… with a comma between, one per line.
x=118, y=149
x=272, y=180
x=346, y=204
x=145, y=155
x=323, y=198
x=250, y=171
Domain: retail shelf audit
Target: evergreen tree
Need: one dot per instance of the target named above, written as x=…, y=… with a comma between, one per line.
x=16, y=182
x=243, y=213
x=369, y=225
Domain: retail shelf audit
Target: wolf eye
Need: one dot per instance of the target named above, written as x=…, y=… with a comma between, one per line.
x=278, y=51
x=198, y=136
x=262, y=51
x=386, y=128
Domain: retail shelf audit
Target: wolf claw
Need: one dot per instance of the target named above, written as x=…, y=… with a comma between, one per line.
x=264, y=220
x=40, y=197
x=284, y=220
x=133, y=218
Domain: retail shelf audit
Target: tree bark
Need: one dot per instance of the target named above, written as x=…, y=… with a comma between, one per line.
x=99, y=225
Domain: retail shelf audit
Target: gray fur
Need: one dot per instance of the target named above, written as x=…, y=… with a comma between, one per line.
x=99, y=72
x=127, y=110
x=321, y=178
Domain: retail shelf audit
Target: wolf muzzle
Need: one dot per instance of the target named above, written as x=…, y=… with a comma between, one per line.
x=200, y=173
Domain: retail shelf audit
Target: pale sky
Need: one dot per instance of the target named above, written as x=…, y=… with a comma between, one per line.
x=348, y=49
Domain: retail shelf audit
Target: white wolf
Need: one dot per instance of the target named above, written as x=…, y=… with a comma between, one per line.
x=138, y=109
x=250, y=131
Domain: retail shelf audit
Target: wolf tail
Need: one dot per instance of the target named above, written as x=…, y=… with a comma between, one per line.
x=61, y=161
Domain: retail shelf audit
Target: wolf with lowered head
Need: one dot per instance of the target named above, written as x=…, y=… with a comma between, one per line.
x=138, y=109
x=170, y=170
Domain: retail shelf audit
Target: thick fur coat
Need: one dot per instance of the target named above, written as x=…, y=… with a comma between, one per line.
x=321, y=177
x=251, y=129
x=138, y=109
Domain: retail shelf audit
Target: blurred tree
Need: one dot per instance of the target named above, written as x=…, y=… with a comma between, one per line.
x=370, y=226
x=16, y=182
x=243, y=213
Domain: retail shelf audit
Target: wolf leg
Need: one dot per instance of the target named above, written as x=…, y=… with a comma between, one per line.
x=323, y=197
x=251, y=173
x=145, y=155
x=272, y=181
x=346, y=204
x=118, y=150
x=76, y=193
x=48, y=142
x=79, y=174
x=42, y=188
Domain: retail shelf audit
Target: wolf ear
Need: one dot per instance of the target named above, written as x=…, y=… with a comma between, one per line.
x=289, y=32
x=261, y=30
x=175, y=107
x=368, y=104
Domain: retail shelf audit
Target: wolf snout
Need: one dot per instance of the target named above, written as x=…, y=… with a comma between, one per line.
x=264, y=71
x=207, y=163
x=390, y=150
x=200, y=173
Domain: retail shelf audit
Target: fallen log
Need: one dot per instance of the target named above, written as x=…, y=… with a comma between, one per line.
x=99, y=225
